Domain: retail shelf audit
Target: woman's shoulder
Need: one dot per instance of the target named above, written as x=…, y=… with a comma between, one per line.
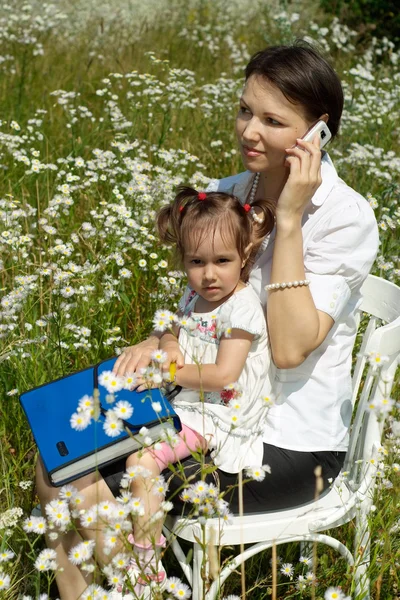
x=229, y=184
x=335, y=192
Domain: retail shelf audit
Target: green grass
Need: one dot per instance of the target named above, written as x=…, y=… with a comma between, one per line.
x=153, y=126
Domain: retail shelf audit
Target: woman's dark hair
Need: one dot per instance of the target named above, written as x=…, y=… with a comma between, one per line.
x=304, y=77
x=193, y=215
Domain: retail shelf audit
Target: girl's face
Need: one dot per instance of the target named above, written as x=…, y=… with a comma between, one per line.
x=213, y=267
x=267, y=124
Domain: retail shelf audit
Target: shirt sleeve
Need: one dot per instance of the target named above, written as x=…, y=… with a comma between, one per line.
x=242, y=312
x=340, y=256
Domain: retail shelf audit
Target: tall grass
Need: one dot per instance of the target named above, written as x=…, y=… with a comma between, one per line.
x=104, y=110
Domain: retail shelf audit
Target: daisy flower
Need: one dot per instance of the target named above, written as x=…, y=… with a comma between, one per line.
x=167, y=506
x=123, y=409
x=5, y=581
x=115, y=578
x=160, y=486
x=268, y=400
x=137, y=507
x=105, y=508
x=200, y=488
x=287, y=569
x=124, y=498
x=159, y=356
x=85, y=403
x=333, y=593
x=162, y=320
x=129, y=381
x=256, y=473
x=75, y=555
x=77, y=500
x=80, y=420
x=110, y=539
x=113, y=383
x=40, y=525
x=95, y=592
x=67, y=492
x=29, y=524
x=121, y=560
x=89, y=517
x=6, y=556
x=112, y=425
x=172, y=584
x=182, y=591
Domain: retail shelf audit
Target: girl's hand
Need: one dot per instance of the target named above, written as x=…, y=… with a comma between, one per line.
x=174, y=355
x=136, y=357
x=304, y=179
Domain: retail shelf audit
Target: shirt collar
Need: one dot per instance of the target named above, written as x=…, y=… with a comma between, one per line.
x=242, y=188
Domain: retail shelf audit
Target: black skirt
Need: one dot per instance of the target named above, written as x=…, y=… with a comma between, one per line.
x=292, y=480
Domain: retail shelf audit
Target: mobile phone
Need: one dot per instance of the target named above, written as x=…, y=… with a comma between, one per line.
x=324, y=134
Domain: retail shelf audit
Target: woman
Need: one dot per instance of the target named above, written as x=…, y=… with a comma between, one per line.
x=324, y=233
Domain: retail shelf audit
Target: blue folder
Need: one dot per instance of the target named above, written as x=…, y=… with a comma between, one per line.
x=68, y=454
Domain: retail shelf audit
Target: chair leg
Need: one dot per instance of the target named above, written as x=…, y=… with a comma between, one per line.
x=197, y=579
x=362, y=551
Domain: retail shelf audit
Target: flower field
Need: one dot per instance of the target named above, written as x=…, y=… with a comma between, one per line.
x=105, y=107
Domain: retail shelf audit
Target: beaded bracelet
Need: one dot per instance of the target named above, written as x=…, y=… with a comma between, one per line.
x=289, y=284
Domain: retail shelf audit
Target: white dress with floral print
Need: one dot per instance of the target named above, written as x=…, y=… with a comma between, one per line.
x=233, y=425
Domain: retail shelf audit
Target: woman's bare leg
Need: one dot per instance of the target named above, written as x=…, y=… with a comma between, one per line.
x=71, y=581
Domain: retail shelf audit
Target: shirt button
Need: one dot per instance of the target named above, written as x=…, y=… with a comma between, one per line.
x=335, y=296
x=332, y=304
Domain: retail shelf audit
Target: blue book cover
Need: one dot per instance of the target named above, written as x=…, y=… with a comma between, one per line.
x=68, y=454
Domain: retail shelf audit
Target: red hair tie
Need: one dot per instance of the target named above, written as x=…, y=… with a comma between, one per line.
x=181, y=208
x=247, y=207
x=202, y=195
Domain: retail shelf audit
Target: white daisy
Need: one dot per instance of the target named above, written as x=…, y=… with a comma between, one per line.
x=5, y=581
x=112, y=425
x=333, y=593
x=80, y=420
x=123, y=409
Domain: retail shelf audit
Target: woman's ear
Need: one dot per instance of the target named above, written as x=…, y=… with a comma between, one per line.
x=324, y=117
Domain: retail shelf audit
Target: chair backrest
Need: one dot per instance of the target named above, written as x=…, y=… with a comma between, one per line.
x=381, y=300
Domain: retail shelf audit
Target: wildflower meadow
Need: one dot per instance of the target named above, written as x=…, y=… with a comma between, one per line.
x=105, y=107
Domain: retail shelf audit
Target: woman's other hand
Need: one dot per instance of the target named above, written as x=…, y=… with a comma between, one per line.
x=304, y=179
x=137, y=357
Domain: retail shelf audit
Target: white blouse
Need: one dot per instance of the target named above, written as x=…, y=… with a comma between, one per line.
x=340, y=242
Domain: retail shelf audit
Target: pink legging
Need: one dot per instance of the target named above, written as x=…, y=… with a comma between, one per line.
x=190, y=441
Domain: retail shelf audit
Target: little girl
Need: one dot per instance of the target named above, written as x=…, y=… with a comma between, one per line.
x=223, y=337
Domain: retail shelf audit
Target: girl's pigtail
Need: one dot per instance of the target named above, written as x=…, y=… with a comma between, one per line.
x=170, y=217
x=166, y=229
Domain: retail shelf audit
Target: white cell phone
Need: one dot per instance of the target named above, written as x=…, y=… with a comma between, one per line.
x=324, y=134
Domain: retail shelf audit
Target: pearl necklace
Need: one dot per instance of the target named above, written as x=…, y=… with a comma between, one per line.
x=254, y=187
x=257, y=218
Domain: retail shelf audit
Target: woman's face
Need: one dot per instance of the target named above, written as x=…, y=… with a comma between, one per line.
x=266, y=124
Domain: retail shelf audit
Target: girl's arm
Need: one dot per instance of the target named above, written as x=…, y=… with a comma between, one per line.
x=295, y=326
x=230, y=361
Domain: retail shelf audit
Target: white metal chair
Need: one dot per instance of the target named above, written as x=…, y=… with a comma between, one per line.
x=381, y=300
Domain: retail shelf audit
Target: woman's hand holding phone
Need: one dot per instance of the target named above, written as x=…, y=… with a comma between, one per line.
x=304, y=162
